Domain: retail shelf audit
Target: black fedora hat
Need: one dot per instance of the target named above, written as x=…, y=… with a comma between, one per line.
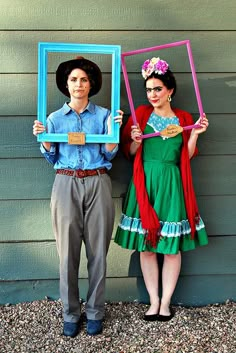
x=91, y=69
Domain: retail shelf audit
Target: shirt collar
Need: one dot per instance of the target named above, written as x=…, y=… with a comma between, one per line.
x=90, y=107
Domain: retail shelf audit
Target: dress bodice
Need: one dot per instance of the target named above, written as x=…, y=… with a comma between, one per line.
x=160, y=148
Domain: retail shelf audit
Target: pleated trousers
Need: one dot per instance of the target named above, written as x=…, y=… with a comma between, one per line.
x=82, y=211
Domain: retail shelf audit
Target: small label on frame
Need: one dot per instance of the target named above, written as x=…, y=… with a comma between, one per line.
x=76, y=138
x=171, y=130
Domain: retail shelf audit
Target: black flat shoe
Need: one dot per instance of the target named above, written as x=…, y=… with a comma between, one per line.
x=165, y=318
x=153, y=317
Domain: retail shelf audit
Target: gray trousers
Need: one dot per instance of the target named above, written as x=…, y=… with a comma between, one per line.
x=82, y=210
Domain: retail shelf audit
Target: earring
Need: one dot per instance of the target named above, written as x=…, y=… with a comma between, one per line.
x=169, y=99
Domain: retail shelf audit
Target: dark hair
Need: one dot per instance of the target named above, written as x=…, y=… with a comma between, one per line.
x=168, y=80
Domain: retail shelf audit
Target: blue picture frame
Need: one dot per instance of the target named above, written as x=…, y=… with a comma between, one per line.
x=43, y=49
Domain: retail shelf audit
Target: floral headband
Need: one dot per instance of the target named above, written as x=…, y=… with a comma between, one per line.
x=154, y=65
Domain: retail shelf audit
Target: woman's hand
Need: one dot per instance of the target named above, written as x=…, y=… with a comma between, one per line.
x=118, y=119
x=38, y=128
x=136, y=134
x=203, y=122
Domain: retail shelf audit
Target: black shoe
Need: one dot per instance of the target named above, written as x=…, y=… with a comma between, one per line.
x=153, y=317
x=94, y=327
x=70, y=329
x=165, y=318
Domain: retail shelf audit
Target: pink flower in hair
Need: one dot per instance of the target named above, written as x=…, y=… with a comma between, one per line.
x=154, y=65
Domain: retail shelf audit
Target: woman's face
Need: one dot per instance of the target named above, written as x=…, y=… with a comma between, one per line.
x=157, y=93
x=78, y=84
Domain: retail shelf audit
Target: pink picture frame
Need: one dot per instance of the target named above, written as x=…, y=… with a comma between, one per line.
x=159, y=47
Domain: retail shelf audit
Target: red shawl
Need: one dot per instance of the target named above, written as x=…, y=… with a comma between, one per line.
x=149, y=218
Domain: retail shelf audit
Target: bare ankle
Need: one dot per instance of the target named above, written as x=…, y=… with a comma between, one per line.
x=165, y=307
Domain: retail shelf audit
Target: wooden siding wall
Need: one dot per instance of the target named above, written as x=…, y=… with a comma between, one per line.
x=28, y=258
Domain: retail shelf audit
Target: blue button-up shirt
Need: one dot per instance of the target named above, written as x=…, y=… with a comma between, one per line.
x=93, y=120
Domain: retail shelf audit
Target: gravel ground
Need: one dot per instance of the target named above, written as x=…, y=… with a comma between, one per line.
x=37, y=326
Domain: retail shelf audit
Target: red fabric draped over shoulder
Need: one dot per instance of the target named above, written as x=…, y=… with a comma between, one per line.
x=186, y=119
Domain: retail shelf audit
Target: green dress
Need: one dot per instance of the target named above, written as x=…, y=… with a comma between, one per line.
x=161, y=158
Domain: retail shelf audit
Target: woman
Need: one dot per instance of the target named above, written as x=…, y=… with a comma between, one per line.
x=160, y=213
x=81, y=201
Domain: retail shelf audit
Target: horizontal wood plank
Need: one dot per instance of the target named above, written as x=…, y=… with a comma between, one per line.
x=159, y=15
x=207, y=48
x=33, y=178
x=220, y=136
x=205, y=260
x=209, y=85
x=30, y=220
x=214, y=175
x=35, y=261
x=218, y=213
x=20, y=143
x=190, y=290
x=18, y=140
x=26, y=177
x=24, y=91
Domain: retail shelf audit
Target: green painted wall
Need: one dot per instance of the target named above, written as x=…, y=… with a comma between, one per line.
x=28, y=258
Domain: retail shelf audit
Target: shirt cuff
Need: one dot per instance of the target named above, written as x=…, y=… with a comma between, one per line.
x=51, y=151
x=110, y=154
